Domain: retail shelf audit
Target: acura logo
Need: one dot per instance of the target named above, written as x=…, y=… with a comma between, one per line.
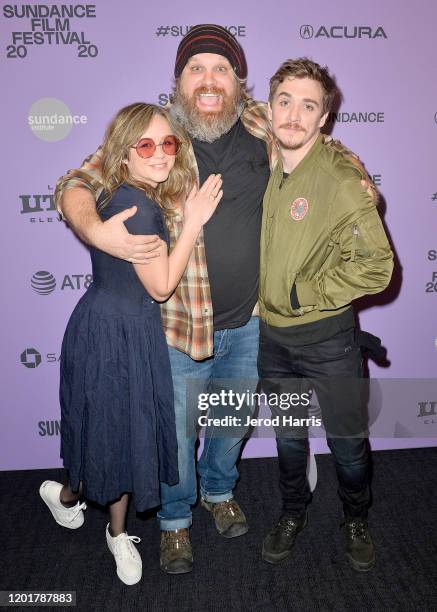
x=306, y=31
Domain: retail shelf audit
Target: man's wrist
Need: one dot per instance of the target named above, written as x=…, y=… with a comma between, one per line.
x=93, y=234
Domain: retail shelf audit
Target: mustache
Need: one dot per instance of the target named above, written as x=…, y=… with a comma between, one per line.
x=218, y=91
x=295, y=126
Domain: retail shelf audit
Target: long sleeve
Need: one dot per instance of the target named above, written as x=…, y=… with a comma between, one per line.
x=87, y=176
x=366, y=259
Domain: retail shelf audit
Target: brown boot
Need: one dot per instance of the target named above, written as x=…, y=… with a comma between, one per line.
x=176, y=554
x=228, y=516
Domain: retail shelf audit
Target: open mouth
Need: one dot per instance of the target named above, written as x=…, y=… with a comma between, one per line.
x=209, y=100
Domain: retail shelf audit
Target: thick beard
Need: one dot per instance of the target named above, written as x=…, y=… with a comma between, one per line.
x=207, y=127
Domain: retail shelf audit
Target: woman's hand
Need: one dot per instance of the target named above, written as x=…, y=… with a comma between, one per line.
x=201, y=203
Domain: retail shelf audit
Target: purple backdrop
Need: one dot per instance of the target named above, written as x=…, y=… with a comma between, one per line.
x=109, y=54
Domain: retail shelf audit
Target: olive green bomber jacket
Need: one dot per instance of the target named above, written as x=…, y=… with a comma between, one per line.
x=322, y=231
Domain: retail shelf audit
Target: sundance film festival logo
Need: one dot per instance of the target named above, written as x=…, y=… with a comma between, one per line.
x=238, y=31
x=50, y=119
x=30, y=358
x=49, y=25
x=341, y=31
x=44, y=283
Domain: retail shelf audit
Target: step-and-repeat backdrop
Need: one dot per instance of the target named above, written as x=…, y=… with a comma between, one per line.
x=67, y=68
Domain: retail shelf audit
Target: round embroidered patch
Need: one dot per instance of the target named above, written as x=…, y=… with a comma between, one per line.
x=299, y=209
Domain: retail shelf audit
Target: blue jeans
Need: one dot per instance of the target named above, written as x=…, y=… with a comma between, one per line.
x=235, y=356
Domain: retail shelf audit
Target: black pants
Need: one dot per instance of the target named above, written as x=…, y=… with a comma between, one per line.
x=333, y=368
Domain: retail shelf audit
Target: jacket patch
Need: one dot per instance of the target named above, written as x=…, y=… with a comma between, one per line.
x=299, y=209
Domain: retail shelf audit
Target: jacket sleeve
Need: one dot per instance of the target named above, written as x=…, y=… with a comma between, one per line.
x=366, y=259
x=87, y=176
x=339, y=147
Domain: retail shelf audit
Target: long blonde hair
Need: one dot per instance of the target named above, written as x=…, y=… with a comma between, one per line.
x=122, y=133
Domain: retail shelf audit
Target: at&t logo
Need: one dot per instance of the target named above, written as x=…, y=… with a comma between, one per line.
x=44, y=283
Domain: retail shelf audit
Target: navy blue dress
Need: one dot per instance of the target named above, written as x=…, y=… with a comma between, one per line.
x=117, y=416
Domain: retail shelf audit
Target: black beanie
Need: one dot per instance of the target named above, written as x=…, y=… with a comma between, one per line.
x=210, y=38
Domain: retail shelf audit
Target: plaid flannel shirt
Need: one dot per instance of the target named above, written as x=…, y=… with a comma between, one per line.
x=187, y=316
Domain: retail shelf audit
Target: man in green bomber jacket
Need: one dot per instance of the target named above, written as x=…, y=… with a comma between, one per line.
x=322, y=246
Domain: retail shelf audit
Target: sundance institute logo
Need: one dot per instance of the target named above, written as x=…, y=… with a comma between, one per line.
x=30, y=358
x=50, y=119
x=43, y=282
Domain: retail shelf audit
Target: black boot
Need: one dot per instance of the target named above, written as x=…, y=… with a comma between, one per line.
x=280, y=540
x=360, y=549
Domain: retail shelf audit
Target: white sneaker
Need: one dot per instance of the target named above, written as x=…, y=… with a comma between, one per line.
x=72, y=518
x=127, y=558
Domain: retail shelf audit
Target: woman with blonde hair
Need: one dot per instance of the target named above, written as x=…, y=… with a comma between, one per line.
x=117, y=418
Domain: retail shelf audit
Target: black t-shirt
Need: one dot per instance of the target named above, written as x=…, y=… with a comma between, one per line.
x=232, y=235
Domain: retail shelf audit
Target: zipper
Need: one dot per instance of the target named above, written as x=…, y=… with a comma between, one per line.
x=269, y=231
